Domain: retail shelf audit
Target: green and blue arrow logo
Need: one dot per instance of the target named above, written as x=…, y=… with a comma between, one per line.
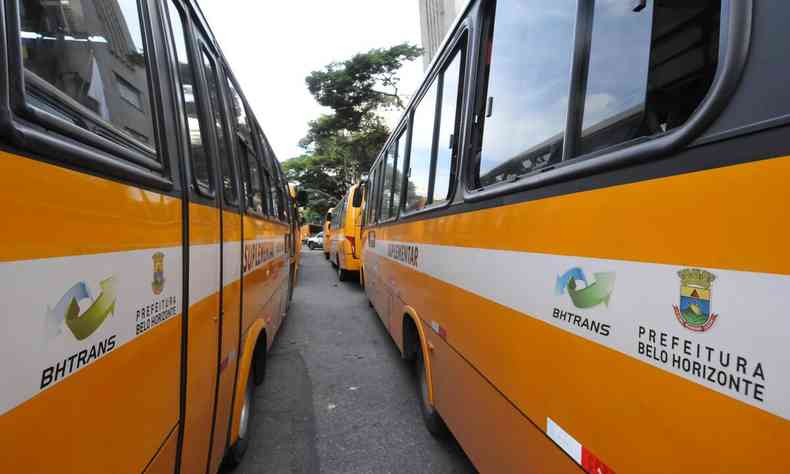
x=593, y=294
x=83, y=325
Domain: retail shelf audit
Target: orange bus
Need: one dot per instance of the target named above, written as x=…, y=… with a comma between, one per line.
x=346, y=228
x=147, y=242
x=328, y=231
x=566, y=232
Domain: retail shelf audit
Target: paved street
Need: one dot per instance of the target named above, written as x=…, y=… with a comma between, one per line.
x=337, y=396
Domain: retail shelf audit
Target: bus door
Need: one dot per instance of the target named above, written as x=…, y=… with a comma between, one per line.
x=203, y=118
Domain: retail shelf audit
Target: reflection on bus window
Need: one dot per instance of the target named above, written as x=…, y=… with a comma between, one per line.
x=447, y=139
x=528, y=86
x=212, y=84
x=92, y=51
x=186, y=75
x=614, y=105
x=421, y=143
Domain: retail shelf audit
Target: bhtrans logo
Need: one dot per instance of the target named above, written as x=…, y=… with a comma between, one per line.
x=68, y=314
x=588, y=296
x=82, y=324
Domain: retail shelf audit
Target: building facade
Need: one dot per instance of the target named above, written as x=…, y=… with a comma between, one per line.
x=436, y=18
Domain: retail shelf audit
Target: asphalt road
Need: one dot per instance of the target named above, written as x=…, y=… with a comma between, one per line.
x=337, y=396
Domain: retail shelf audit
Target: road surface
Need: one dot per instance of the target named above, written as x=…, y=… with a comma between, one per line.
x=337, y=397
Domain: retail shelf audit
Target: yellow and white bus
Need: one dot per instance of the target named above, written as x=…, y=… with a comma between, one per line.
x=578, y=231
x=146, y=241
x=328, y=231
x=346, y=232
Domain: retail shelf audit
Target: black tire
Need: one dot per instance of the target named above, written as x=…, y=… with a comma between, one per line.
x=433, y=421
x=342, y=274
x=311, y=246
x=236, y=452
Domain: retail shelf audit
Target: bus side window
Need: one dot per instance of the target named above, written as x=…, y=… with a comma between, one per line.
x=525, y=111
x=213, y=84
x=202, y=171
x=247, y=154
x=648, y=71
x=448, y=127
x=422, y=150
x=86, y=66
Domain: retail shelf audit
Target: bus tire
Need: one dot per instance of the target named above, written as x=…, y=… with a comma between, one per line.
x=236, y=452
x=433, y=421
x=342, y=274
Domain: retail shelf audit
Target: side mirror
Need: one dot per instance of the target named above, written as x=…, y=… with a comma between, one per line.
x=302, y=198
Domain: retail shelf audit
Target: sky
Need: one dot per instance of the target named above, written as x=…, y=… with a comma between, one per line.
x=273, y=45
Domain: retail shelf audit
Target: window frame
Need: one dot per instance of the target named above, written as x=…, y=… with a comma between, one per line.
x=401, y=130
x=733, y=52
x=193, y=49
x=90, y=142
x=459, y=45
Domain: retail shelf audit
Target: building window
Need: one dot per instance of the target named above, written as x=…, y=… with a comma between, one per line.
x=128, y=92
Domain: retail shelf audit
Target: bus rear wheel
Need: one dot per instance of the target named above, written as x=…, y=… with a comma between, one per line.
x=433, y=421
x=236, y=452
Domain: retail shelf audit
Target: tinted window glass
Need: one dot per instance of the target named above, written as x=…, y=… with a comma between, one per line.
x=386, y=191
x=92, y=51
x=421, y=148
x=199, y=155
x=275, y=196
x=445, y=148
x=620, y=54
x=240, y=114
x=212, y=83
x=400, y=171
x=648, y=70
x=528, y=85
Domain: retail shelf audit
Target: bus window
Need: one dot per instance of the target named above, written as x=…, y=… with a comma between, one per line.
x=213, y=84
x=648, y=70
x=249, y=160
x=422, y=139
x=93, y=56
x=400, y=171
x=386, y=194
x=199, y=158
x=445, y=148
x=527, y=101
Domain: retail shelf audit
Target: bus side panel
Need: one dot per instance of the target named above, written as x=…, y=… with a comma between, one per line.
x=627, y=407
x=374, y=285
x=165, y=460
x=202, y=335
x=498, y=438
x=110, y=391
x=231, y=322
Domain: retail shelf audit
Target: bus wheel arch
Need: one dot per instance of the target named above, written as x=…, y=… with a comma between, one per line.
x=416, y=350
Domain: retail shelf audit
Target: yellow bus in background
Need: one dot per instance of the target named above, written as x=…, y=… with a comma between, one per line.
x=328, y=231
x=147, y=246
x=578, y=230
x=346, y=227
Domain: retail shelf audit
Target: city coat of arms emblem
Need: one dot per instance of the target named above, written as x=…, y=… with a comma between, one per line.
x=159, y=273
x=694, y=311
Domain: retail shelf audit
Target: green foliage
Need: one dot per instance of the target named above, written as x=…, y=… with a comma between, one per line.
x=342, y=145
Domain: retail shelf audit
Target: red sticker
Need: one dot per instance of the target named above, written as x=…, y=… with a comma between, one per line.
x=592, y=464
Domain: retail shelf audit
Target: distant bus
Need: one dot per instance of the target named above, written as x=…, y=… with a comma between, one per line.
x=328, y=231
x=346, y=227
x=578, y=231
x=147, y=245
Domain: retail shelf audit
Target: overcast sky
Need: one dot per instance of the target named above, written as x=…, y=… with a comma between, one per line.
x=273, y=45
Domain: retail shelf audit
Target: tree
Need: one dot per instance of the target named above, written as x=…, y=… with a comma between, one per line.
x=342, y=145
